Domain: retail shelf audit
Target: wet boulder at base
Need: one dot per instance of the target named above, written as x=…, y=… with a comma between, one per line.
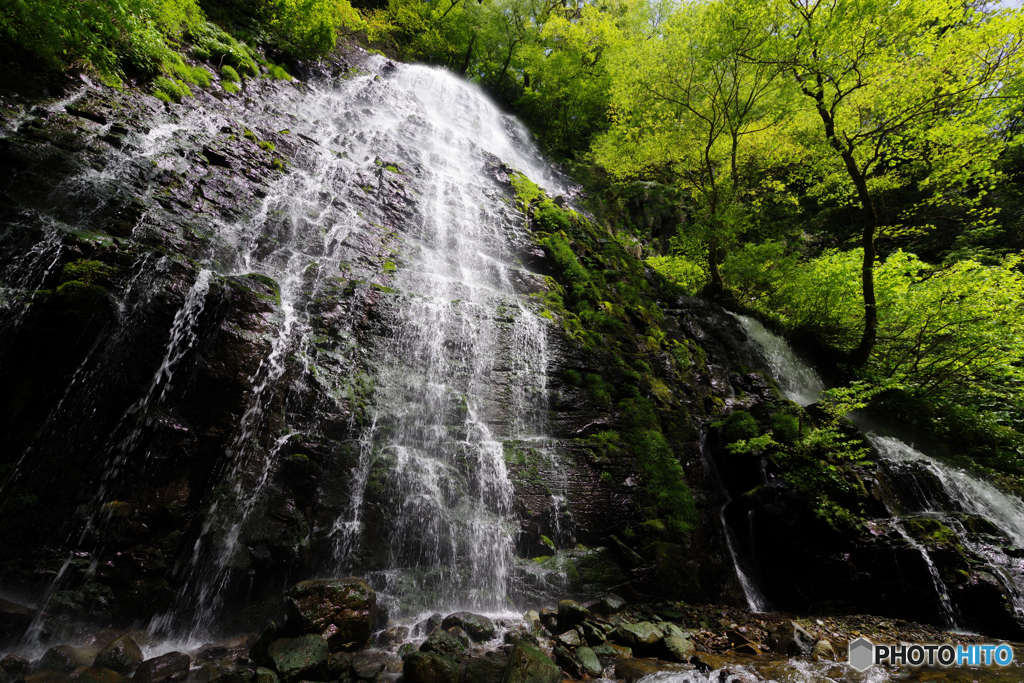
x=443, y=643
x=167, y=668
x=122, y=655
x=99, y=674
x=349, y=605
x=791, y=639
x=430, y=667
x=479, y=627
x=64, y=659
x=300, y=658
x=527, y=664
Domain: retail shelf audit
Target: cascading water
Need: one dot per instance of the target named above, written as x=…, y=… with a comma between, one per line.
x=458, y=369
x=926, y=487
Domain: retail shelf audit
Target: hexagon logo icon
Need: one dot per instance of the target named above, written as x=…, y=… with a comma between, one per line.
x=861, y=653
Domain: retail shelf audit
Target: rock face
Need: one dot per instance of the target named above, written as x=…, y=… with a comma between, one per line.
x=347, y=605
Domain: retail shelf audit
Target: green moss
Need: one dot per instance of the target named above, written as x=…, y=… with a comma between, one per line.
x=740, y=425
x=278, y=73
x=267, y=145
x=170, y=90
x=251, y=136
x=231, y=88
x=278, y=164
x=785, y=427
x=88, y=271
x=228, y=73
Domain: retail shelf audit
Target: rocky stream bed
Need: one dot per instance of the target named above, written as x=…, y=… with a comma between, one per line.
x=333, y=631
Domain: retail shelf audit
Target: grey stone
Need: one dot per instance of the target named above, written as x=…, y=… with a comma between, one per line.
x=265, y=675
x=479, y=628
x=527, y=664
x=350, y=605
x=791, y=639
x=589, y=661
x=571, y=613
x=300, y=658
x=638, y=636
x=430, y=667
x=489, y=669
x=64, y=659
x=679, y=649
x=172, y=666
x=122, y=655
x=442, y=643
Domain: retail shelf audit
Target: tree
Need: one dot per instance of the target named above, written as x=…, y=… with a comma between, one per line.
x=686, y=104
x=891, y=83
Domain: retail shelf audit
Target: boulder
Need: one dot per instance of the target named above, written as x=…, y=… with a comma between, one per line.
x=443, y=643
x=122, y=655
x=566, y=661
x=339, y=665
x=265, y=675
x=243, y=675
x=632, y=670
x=366, y=665
x=593, y=633
x=300, y=658
x=679, y=649
x=393, y=636
x=791, y=639
x=167, y=668
x=527, y=664
x=14, y=666
x=479, y=628
x=427, y=626
x=461, y=635
x=823, y=652
x=589, y=662
x=204, y=674
x=99, y=674
x=608, y=605
x=258, y=651
x=489, y=669
x=571, y=613
x=430, y=667
x=638, y=636
x=569, y=639
x=64, y=659
x=348, y=604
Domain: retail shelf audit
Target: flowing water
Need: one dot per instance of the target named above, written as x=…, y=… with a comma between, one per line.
x=461, y=370
x=926, y=486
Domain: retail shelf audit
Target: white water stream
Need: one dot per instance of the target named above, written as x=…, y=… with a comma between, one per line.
x=961, y=492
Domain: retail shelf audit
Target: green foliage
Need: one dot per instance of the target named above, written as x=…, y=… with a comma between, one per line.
x=740, y=425
x=278, y=73
x=227, y=73
x=785, y=427
x=266, y=145
x=170, y=90
x=88, y=271
x=230, y=87
x=114, y=38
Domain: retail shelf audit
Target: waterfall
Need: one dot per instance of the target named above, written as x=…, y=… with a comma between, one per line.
x=390, y=198
x=957, y=493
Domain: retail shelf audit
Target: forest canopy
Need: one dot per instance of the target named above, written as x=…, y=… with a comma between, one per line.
x=848, y=170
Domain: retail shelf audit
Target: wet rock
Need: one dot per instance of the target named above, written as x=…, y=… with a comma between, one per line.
x=823, y=651
x=64, y=659
x=258, y=651
x=427, y=626
x=14, y=666
x=679, y=649
x=265, y=675
x=123, y=655
x=443, y=643
x=300, y=658
x=430, y=667
x=204, y=674
x=632, y=670
x=99, y=674
x=608, y=605
x=606, y=651
x=570, y=639
x=339, y=664
x=393, y=636
x=527, y=664
x=592, y=633
x=791, y=639
x=589, y=662
x=244, y=675
x=638, y=636
x=366, y=665
x=348, y=604
x=566, y=661
x=571, y=613
x=489, y=669
x=461, y=635
x=167, y=668
x=46, y=677
x=479, y=627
